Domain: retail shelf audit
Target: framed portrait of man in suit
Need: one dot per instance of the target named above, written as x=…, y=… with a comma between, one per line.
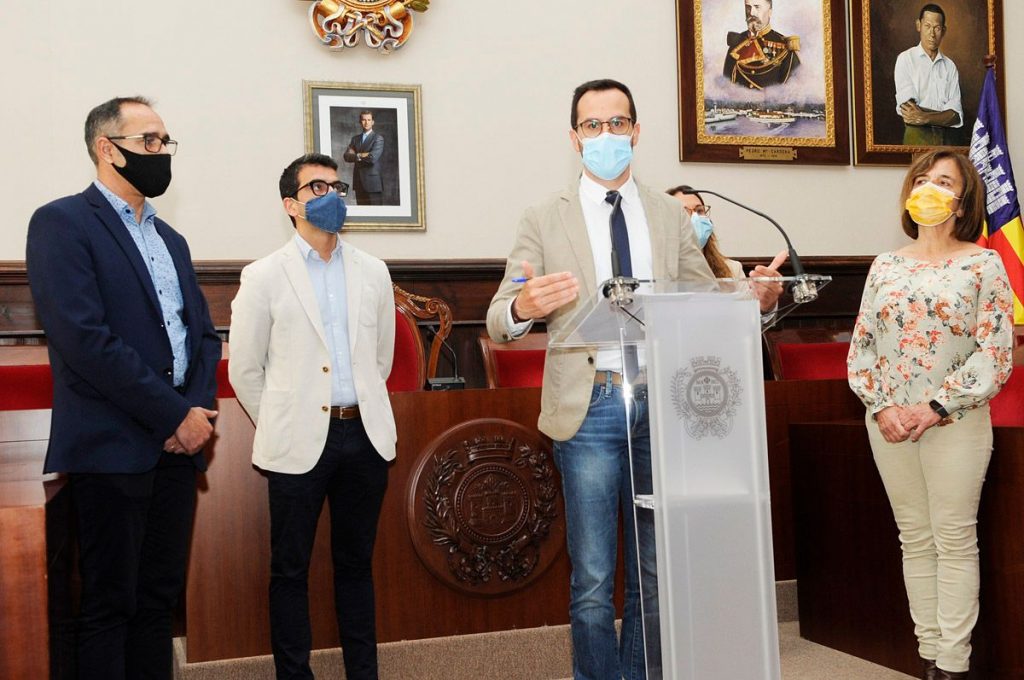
x=918, y=68
x=763, y=80
x=374, y=132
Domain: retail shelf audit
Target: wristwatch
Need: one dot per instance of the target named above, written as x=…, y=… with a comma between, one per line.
x=939, y=409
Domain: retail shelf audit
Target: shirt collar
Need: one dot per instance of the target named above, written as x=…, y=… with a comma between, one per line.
x=308, y=252
x=919, y=52
x=595, y=193
x=121, y=206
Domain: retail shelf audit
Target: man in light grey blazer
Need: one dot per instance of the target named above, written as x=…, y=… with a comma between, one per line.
x=312, y=339
x=564, y=250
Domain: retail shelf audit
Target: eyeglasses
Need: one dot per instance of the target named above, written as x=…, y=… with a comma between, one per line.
x=703, y=210
x=320, y=187
x=592, y=127
x=153, y=143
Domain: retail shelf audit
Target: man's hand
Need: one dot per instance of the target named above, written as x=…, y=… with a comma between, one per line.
x=912, y=113
x=916, y=115
x=362, y=154
x=194, y=431
x=543, y=294
x=918, y=418
x=890, y=424
x=768, y=293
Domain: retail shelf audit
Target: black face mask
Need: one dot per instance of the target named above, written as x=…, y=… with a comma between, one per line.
x=150, y=173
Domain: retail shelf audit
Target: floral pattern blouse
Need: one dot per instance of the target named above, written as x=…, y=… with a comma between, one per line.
x=932, y=330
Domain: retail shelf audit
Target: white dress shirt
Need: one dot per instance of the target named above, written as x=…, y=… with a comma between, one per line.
x=932, y=84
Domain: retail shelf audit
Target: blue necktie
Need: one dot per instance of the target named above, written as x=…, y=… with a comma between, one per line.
x=621, y=258
x=620, y=236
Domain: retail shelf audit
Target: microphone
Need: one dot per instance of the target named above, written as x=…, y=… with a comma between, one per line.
x=454, y=382
x=618, y=289
x=804, y=290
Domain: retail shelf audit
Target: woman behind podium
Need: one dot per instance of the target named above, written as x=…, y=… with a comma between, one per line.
x=721, y=266
x=931, y=347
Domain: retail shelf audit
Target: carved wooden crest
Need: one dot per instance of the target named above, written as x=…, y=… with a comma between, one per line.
x=485, y=514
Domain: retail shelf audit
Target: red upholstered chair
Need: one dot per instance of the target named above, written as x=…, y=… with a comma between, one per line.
x=412, y=366
x=224, y=388
x=519, y=363
x=808, y=353
x=26, y=387
x=1008, y=406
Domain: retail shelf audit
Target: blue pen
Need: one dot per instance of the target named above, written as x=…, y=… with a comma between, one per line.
x=520, y=279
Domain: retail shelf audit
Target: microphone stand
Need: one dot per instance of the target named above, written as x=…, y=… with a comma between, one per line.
x=618, y=289
x=804, y=290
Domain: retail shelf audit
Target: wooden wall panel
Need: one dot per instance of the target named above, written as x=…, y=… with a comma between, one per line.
x=466, y=285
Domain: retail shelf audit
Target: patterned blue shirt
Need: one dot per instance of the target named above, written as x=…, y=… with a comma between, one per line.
x=161, y=270
x=328, y=279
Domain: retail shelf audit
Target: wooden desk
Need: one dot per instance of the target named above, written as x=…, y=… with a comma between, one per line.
x=226, y=598
x=851, y=594
x=35, y=623
x=227, y=609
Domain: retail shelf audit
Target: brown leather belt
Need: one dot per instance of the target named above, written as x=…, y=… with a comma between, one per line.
x=344, y=412
x=601, y=377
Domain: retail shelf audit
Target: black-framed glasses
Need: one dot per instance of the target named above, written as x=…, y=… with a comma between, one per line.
x=592, y=127
x=704, y=210
x=320, y=187
x=153, y=143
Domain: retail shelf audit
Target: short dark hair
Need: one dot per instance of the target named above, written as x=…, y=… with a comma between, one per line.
x=288, y=185
x=366, y=113
x=685, y=189
x=935, y=9
x=599, y=86
x=105, y=119
x=972, y=198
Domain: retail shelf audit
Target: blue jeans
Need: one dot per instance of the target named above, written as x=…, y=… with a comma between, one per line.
x=594, y=465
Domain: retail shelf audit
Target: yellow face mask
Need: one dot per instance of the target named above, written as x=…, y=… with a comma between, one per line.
x=930, y=205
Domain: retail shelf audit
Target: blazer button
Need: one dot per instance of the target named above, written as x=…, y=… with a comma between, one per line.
x=325, y=409
x=168, y=372
x=326, y=369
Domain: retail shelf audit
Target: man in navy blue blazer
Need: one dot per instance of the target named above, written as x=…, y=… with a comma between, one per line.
x=134, y=355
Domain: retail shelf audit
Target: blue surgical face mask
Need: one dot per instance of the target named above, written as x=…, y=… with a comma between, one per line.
x=703, y=228
x=607, y=155
x=326, y=212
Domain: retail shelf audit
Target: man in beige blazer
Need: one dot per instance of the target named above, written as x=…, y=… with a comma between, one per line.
x=312, y=339
x=563, y=249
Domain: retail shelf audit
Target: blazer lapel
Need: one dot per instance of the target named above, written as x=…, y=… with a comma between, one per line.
x=353, y=291
x=298, y=277
x=112, y=221
x=570, y=211
x=664, y=243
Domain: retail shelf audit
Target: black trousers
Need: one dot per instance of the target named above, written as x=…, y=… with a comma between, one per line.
x=369, y=197
x=352, y=476
x=133, y=535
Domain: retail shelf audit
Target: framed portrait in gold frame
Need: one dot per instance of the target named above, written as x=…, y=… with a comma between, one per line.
x=759, y=83
x=894, y=43
x=375, y=134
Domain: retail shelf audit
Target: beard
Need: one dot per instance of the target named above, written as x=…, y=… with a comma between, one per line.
x=754, y=25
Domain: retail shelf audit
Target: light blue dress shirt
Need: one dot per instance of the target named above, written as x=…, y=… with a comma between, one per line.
x=328, y=279
x=162, y=272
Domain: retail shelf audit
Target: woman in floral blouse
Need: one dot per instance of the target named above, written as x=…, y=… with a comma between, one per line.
x=931, y=346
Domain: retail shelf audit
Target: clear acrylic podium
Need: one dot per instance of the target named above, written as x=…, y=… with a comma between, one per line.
x=709, y=610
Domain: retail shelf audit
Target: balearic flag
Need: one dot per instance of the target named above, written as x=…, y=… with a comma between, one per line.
x=1004, y=231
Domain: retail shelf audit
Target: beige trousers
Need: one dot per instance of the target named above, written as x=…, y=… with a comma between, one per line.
x=934, y=486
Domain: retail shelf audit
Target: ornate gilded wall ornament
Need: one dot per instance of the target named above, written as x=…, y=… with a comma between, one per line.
x=484, y=510
x=384, y=25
